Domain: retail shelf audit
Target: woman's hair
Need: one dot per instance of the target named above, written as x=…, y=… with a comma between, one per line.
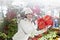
x=23, y=15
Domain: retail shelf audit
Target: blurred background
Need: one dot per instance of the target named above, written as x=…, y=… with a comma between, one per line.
x=10, y=11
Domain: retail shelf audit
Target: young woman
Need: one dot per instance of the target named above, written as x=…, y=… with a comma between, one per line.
x=26, y=27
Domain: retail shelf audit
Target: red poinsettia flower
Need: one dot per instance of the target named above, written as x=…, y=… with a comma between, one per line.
x=44, y=22
x=48, y=20
x=41, y=23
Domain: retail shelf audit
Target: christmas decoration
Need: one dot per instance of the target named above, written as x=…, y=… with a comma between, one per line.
x=48, y=20
x=41, y=23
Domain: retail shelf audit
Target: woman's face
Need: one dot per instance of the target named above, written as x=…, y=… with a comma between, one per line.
x=29, y=16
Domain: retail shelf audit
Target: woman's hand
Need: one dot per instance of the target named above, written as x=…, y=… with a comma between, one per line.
x=44, y=30
x=40, y=31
